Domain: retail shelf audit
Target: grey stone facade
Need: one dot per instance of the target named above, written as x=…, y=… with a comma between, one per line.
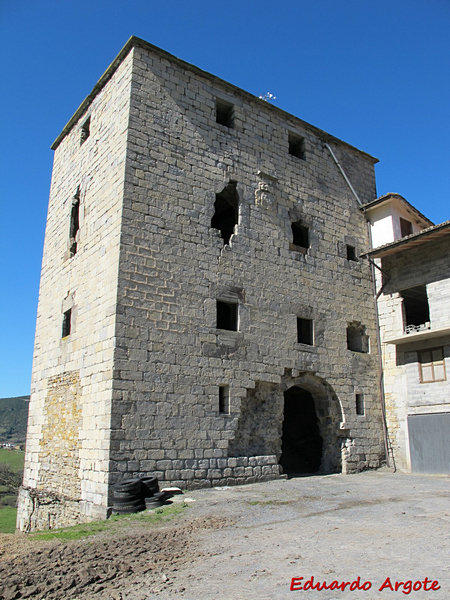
x=161, y=217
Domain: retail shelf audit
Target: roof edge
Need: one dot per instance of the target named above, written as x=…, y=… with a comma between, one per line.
x=134, y=41
x=107, y=75
x=394, y=195
x=429, y=232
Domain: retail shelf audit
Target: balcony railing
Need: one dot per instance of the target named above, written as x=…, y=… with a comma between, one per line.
x=416, y=328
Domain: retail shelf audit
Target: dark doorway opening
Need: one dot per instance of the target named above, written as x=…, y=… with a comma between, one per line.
x=301, y=447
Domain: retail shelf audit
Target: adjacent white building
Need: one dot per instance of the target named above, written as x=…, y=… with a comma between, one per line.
x=411, y=257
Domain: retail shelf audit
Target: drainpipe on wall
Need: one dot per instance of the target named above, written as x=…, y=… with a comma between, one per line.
x=377, y=320
x=343, y=174
x=380, y=356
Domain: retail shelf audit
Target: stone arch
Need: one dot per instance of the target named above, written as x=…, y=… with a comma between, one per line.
x=329, y=413
x=259, y=426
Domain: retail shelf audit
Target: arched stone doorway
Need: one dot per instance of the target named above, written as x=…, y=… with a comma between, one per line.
x=311, y=435
x=312, y=406
x=301, y=442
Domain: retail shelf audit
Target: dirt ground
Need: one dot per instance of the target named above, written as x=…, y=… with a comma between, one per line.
x=249, y=542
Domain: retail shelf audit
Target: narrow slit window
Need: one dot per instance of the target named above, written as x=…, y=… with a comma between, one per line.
x=416, y=312
x=226, y=211
x=305, y=331
x=300, y=235
x=224, y=399
x=296, y=146
x=359, y=401
x=224, y=113
x=74, y=223
x=85, y=130
x=351, y=253
x=432, y=365
x=357, y=340
x=227, y=316
x=67, y=323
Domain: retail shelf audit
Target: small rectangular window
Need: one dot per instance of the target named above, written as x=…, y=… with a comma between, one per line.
x=359, y=401
x=305, y=331
x=351, y=253
x=296, y=145
x=224, y=400
x=227, y=315
x=67, y=323
x=85, y=130
x=432, y=365
x=224, y=113
x=405, y=227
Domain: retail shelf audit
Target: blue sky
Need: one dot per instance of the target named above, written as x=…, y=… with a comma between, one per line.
x=375, y=74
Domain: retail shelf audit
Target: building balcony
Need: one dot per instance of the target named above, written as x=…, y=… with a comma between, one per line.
x=418, y=333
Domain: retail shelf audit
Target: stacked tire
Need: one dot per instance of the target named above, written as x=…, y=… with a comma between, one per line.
x=135, y=495
x=128, y=497
x=153, y=498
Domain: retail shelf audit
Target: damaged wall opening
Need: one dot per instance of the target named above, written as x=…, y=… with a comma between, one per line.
x=85, y=130
x=227, y=315
x=416, y=311
x=226, y=211
x=74, y=222
x=357, y=339
x=301, y=447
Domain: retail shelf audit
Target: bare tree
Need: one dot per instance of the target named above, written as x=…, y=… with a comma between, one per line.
x=9, y=478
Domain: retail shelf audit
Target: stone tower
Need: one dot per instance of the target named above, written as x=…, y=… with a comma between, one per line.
x=203, y=313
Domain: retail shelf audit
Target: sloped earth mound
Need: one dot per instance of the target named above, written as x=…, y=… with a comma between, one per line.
x=98, y=566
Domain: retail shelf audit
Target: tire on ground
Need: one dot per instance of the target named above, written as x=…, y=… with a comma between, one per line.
x=128, y=511
x=132, y=486
x=152, y=503
x=127, y=504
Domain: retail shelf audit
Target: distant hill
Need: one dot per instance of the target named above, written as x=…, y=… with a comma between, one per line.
x=13, y=419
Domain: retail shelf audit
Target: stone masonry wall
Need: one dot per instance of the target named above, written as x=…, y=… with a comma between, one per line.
x=67, y=452
x=170, y=357
x=138, y=274
x=405, y=394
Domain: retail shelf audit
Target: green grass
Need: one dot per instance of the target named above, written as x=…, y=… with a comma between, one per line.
x=8, y=519
x=115, y=523
x=269, y=502
x=13, y=458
